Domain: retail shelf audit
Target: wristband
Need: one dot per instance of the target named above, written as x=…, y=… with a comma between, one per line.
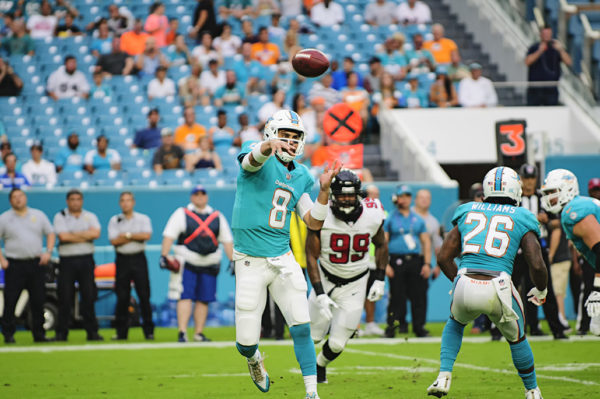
x=318, y=287
x=258, y=155
x=597, y=283
x=379, y=274
x=319, y=211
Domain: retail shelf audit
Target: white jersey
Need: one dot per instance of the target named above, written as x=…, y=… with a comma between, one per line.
x=345, y=246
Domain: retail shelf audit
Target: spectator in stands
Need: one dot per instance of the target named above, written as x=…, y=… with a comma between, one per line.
x=117, y=62
x=477, y=91
x=203, y=157
x=340, y=77
x=117, y=22
x=172, y=32
x=67, y=81
x=19, y=43
x=442, y=92
x=413, y=12
x=178, y=53
x=285, y=78
x=204, y=20
x=133, y=42
x=444, y=50
x=64, y=7
x=221, y=130
x=290, y=44
x=324, y=89
x=99, y=89
x=157, y=24
x=263, y=51
x=5, y=29
x=102, y=44
x=276, y=31
x=415, y=96
x=543, y=62
x=150, y=59
x=265, y=7
x=11, y=178
x=380, y=13
x=168, y=155
x=387, y=97
x=231, y=93
x=5, y=149
x=68, y=29
x=38, y=171
x=205, y=52
x=268, y=109
x=70, y=158
x=457, y=71
x=373, y=78
x=42, y=25
x=102, y=158
x=419, y=59
x=191, y=91
x=248, y=31
x=356, y=97
x=188, y=134
x=212, y=79
x=227, y=43
x=247, y=131
x=327, y=13
x=236, y=9
x=10, y=83
x=290, y=8
x=250, y=71
x=161, y=86
x=309, y=118
x=150, y=136
x=392, y=58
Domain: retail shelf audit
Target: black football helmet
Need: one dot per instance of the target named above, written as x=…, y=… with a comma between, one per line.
x=346, y=183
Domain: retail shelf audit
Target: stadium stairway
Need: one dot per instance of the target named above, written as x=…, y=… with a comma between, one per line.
x=471, y=51
x=379, y=167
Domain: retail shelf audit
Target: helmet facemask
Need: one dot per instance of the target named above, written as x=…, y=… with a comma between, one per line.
x=345, y=195
x=560, y=187
x=285, y=156
x=286, y=123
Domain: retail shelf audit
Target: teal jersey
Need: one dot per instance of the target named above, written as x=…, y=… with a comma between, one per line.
x=491, y=234
x=576, y=210
x=264, y=201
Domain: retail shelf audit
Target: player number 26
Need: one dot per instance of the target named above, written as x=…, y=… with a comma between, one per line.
x=496, y=241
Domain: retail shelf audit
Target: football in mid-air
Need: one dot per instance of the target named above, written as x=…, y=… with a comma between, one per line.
x=310, y=62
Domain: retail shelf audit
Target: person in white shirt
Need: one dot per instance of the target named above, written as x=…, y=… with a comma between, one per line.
x=413, y=12
x=228, y=44
x=327, y=13
x=42, y=25
x=212, y=79
x=161, y=86
x=67, y=81
x=268, y=109
x=380, y=13
x=290, y=8
x=205, y=52
x=38, y=171
x=476, y=91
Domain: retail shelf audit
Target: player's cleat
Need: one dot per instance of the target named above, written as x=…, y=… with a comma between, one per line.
x=259, y=375
x=199, y=337
x=373, y=329
x=321, y=375
x=312, y=395
x=441, y=385
x=533, y=394
x=182, y=337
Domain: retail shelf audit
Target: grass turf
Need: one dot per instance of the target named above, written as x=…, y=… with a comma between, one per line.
x=365, y=370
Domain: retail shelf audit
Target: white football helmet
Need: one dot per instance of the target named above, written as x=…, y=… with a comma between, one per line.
x=288, y=120
x=502, y=182
x=560, y=187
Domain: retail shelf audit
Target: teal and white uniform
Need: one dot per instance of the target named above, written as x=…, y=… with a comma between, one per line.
x=263, y=204
x=575, y=211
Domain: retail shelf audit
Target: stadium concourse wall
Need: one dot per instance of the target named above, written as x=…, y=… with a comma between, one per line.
x=160, y=202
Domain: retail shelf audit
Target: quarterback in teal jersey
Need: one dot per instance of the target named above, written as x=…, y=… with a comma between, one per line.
x=580, y=220
x=269, y=187
x=486, y=238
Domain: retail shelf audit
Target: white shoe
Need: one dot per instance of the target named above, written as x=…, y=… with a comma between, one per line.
x=259, y=374
x=441, y=385
x=534, y=394
x=312, y=395
x=373, y=329
x=360, y=333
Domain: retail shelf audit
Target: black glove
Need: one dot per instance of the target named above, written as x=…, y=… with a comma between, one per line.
x=163, y=262
x=231, y=268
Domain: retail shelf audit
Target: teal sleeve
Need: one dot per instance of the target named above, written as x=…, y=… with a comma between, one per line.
x=530, y=221
x=460, y=211
x=246, y=148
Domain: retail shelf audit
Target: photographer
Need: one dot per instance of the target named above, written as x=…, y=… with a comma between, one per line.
x=543, y=60
x=10, y=83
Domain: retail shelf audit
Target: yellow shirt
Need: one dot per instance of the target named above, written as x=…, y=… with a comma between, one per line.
x=187, y=137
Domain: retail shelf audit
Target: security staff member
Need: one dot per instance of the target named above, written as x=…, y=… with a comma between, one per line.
x=76, y=229
x=128, y=232
x=531, y=200
x=410, y=265
x=23, y=229
x=198, y=230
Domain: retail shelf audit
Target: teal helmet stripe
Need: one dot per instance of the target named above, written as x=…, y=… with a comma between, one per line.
x=498, y=180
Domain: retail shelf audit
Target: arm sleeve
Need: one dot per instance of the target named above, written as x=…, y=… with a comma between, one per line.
x=115, y=158
x=147, y=225
x=460, y=211
x=89, y=158
x=530, y=221
x=94, y=221
x=304, y=205
x=85, y=86
x=59, y=224
x=175, y=224
x=246, y=148
x=386, y=224
x=112, y=228
x=52, y=82
x=46, y=226
x=225, y=235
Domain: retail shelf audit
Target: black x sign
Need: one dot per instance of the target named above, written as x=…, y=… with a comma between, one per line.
x=342, y=122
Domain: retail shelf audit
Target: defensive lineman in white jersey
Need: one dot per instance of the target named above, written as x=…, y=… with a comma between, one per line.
x=340, y=278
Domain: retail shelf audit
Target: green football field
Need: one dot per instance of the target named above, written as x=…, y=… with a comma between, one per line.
x=369, y=368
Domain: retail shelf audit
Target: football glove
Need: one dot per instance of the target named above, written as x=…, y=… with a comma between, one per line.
x=593, y=304
x=536, y=296
x=376, y=291
x=169, y=264
x=325, y=303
